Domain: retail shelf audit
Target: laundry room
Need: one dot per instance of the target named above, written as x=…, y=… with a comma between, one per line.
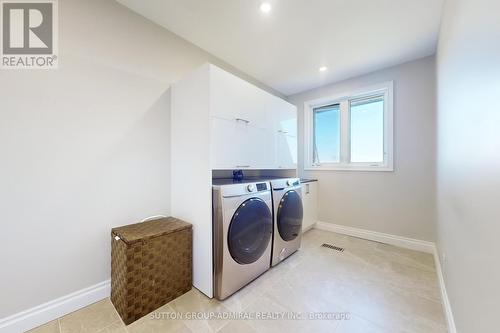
x=249, y=166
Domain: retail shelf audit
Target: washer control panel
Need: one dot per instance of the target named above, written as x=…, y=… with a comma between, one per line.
x=262, y=187
x=229, y=188
x=257, y=187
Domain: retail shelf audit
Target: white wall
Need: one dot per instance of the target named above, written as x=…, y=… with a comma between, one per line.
x=400, y=202
x=468, y=64
x=84, y=148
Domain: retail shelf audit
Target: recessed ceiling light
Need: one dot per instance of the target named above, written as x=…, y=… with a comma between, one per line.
x=265, y=7
x=323, y=69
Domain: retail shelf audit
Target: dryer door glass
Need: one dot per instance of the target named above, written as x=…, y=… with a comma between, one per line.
x=289, y=216
x=250, y=231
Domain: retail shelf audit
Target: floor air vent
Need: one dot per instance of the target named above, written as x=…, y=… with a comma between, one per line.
x=333, y=247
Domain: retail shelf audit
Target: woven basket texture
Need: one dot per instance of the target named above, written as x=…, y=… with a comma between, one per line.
x=151, y=264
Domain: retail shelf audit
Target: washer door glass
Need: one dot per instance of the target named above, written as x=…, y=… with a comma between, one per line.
x=250, y=231
x=289, y=217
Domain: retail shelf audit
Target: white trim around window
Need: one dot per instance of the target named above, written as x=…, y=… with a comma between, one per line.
x=384, y=90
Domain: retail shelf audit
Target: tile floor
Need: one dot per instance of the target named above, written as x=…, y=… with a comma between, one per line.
x=382, y=289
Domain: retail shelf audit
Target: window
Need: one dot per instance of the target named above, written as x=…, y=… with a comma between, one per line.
x=352, y=132
x=367, y=129
x=327, y=134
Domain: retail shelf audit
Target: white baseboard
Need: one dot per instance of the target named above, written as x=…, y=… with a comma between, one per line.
x=444, y=295
x=404, y=242
x=44, y=313
x=307, y=228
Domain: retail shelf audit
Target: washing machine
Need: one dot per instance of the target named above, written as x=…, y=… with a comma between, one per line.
x=242, y=233
x=288, y=214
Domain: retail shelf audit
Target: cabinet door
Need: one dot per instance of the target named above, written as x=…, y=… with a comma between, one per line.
x=233, y=98
x=286, y=151
x=258, y=147
x=310, y=205
x=285, y=118
x=225, y=140
x=237, y=145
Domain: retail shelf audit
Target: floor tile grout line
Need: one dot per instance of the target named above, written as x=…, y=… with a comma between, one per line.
x=119, y=317
x=220, y=329
x=59, y=325
x=109, y=325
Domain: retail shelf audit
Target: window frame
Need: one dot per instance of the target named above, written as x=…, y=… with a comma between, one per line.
x=385, y=89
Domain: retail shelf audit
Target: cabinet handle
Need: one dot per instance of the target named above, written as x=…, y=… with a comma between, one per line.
x=243, y=120
x=307, y=188
x=284, y=132
x=243, y=166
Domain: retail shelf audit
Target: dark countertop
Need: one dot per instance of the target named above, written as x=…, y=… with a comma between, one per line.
x=229, y=181
x=246, y=180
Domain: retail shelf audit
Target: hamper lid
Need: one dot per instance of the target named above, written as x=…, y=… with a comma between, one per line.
x=146, y=230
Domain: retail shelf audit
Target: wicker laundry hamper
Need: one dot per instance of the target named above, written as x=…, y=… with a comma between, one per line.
x=151, y=264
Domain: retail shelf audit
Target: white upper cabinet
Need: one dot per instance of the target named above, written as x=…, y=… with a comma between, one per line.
x=237, y=145
x=286, y=135
x=285, y=118
x=286, y=151
x=236, y=99
x=248, y=127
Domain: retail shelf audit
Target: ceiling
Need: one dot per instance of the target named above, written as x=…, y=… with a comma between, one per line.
x=285, y=48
